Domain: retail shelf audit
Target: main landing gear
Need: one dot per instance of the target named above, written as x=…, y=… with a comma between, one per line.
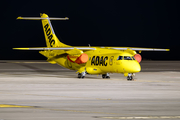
x=105, y=76
x=81, y=75
x=130, y=76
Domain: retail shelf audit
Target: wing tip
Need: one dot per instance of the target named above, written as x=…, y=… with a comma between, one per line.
x=19, y=17
x=20, y=48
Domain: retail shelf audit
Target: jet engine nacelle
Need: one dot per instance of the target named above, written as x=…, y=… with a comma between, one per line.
x=83, y=58
x=138, y=57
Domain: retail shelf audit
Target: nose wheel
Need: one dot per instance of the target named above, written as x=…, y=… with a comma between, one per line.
x=105, y=76
x=130, y=77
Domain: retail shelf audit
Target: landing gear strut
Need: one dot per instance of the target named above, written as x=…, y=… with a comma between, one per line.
x=105, y=76
x=81, y=75
x=130, y=77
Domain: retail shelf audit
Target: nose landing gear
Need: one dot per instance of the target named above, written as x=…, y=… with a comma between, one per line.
x=130, y=76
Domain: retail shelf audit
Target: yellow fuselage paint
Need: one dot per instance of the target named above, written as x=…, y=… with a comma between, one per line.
x=101, y=61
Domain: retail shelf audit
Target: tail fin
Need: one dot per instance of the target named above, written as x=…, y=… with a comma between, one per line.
x=51, y=38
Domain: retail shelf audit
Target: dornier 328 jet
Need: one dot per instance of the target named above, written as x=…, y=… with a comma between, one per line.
x=88, y=60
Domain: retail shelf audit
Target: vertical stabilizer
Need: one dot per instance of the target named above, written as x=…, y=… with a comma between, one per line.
x=50, y=37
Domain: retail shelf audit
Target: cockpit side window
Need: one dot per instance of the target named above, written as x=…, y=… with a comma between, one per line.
x=120, y=58
x=133, y=58
x=127, y=58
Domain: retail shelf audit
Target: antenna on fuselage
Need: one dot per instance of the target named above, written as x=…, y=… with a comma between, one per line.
x=89, y=45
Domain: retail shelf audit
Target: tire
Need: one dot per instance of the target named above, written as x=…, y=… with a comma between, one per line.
x=107, y=77
x=103, y=76
x=79, y=75
x=128, y=78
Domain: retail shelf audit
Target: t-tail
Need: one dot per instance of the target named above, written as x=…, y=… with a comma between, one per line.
x=50, y=37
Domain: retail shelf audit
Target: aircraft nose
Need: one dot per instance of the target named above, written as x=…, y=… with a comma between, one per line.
x=132, y=67
x=136, y=68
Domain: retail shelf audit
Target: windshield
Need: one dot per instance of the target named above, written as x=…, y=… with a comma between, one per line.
x=133, y=58
x=127, y=58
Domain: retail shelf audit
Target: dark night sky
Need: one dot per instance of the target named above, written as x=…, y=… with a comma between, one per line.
x=133, y=23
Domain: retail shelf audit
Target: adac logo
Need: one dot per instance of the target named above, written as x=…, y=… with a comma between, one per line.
x=101, y=61
x=49, y=35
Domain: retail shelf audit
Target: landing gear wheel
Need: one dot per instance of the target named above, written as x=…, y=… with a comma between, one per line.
x=105, y=76
x=130, y=78
x=81, y=75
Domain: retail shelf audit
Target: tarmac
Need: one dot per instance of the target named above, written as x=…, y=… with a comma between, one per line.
x=38, y=90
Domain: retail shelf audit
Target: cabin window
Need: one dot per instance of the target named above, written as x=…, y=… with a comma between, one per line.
x=120, y=58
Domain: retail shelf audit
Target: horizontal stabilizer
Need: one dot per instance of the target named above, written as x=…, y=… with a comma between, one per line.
x=39, y=18
x=57, y=48
x=140, y=49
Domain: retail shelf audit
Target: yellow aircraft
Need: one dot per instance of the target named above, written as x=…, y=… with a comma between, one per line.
x=88, y=60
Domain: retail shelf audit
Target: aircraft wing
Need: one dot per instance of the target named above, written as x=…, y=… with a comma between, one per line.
x=56, y=48
x=139, y=49
x=92, y=48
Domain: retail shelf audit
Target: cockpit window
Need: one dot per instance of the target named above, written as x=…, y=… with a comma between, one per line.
x=127, y=58
x=120, y=58
x=133, y=58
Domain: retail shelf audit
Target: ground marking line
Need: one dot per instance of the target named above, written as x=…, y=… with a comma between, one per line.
x=60, y=96
x=81, y=111
x=13, y=106
x=149, y=117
